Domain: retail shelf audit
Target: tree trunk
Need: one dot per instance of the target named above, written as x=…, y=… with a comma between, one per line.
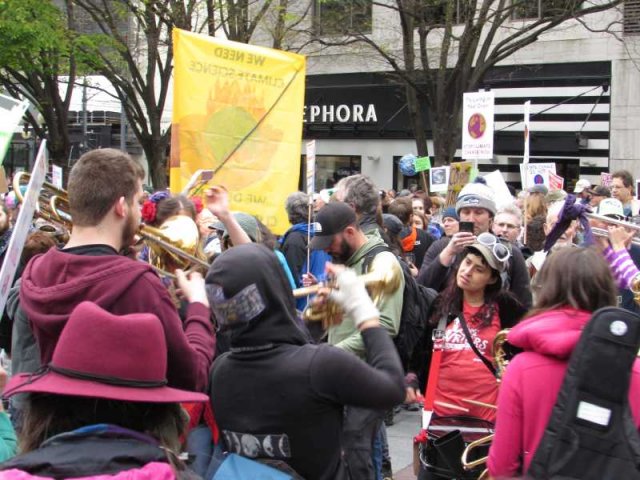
x=417, y=123
x=156, y=153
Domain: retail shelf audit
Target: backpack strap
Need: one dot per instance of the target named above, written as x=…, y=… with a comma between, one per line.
x=370, y=255
x=471, y=343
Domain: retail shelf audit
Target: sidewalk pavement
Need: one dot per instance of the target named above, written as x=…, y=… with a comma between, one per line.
x=400, y=437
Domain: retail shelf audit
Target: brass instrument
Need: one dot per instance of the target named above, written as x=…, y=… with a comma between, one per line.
x=175, y=244
x=53, y=203
x=501, y=362
x=499, y=354
x=469, y=465
x=384, y=278
x=601, y=232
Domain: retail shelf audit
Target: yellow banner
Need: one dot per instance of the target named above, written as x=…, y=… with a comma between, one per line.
x=237, y=109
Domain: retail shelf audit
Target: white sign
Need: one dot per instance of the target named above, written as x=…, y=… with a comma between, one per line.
x=439, y=179
x=502, y=195
x=23, y=224
x=11, y=112
x=56, y=176
x=477, y=126
x=311, y=167
x=536, y=173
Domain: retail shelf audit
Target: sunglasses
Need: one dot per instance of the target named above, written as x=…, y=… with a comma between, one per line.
x=500, y=250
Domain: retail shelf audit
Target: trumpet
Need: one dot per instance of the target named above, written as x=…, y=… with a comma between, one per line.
x=601, y=232
x=384, y=278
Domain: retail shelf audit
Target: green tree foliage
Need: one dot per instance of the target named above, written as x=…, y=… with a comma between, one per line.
x=37, y=49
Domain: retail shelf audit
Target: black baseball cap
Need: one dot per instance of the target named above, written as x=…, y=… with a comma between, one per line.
x=333, y=218
x=600, y=191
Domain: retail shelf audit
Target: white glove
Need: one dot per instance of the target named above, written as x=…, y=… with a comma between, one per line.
x=353, y=298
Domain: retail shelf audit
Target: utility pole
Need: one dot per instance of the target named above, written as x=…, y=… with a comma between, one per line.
x=85, y=140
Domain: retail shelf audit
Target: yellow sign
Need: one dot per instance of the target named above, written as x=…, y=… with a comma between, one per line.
x=461, y=173
x=237, y=109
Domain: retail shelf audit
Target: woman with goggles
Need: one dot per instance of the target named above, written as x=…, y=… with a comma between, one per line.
x=475, y=307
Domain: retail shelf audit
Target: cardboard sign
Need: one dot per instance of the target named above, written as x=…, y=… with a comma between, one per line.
x=606, y=179
x=439, y=179
x=23, y=222
x=477, y=125
x=459, y=176
x=4, y=186
x=422, y=163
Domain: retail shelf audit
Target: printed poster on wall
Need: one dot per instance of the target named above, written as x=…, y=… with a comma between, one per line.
x=237, y=109
x=477, y=125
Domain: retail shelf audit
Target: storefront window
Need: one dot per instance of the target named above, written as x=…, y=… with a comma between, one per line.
x=330, y=169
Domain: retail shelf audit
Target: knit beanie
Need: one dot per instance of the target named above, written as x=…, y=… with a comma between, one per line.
x=476, y=195
x=450, y=212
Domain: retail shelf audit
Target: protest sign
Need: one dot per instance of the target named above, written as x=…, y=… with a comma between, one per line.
x=556, y=182
x=237, y=110
x=439, y=179
x=11, y=112
x=536, y=173
x=23, y=223
x=477, y=125
x=459, y=176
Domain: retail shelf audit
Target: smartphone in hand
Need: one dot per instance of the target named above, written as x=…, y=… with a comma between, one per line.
x=466, y=227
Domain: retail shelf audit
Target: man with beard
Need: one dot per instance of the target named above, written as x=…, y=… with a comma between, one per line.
x=105, y=187
x=338, y=233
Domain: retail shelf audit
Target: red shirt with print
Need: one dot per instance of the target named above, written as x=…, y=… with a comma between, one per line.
x=462, y=373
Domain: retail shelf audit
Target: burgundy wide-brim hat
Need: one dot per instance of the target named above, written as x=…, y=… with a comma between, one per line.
x=100, y=355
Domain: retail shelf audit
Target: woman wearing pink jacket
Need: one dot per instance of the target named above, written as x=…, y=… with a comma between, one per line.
x=573, y=283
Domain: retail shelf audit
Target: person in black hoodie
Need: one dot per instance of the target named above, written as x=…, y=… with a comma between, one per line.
x=277, y=397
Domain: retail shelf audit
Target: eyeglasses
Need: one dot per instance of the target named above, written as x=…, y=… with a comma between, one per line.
x=500, y=250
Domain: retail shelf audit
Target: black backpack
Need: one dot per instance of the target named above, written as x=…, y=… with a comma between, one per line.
x=591, y=433
x=416, y=303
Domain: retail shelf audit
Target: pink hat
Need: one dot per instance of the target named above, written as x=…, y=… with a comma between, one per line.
x=107, y=356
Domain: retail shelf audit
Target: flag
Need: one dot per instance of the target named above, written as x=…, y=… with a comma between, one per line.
x=238, y=109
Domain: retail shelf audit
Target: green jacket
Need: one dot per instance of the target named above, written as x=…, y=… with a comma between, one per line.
x=345, y=335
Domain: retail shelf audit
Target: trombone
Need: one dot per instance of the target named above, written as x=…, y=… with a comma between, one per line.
x=175, y=244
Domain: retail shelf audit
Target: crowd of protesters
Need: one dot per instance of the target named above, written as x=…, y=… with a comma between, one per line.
x=119, y=369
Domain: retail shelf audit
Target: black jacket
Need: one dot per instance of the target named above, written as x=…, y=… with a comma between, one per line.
x=435, y=275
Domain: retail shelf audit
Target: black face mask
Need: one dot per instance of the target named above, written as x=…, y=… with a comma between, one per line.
x=250, y=295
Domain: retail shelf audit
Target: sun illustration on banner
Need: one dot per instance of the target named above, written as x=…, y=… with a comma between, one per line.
x=477, y=125
x=205, y=140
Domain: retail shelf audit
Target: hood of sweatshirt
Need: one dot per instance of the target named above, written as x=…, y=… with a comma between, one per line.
x=54, y=283
x=554, y=333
